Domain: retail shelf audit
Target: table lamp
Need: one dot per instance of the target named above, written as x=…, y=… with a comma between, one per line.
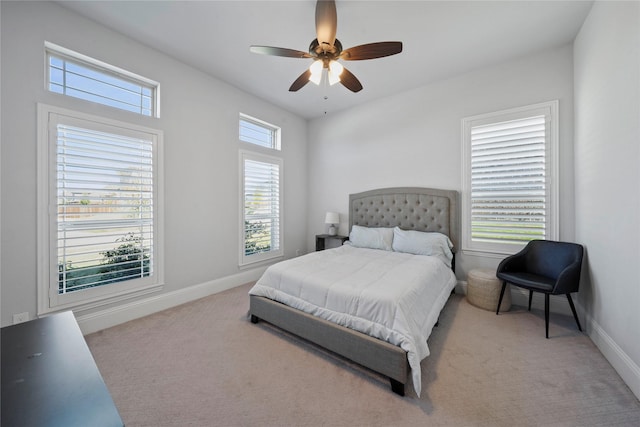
x=332, y=218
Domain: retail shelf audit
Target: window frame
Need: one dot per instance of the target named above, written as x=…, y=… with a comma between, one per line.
x=49, y=300
x=275, y=132
x=551, y=114
x=245, y=260
x=105, y=68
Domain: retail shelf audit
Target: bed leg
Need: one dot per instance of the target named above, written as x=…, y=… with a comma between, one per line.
x=397, y=387
x=254, y=319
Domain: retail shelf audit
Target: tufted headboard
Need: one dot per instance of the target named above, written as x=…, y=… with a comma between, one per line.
x=410, y=208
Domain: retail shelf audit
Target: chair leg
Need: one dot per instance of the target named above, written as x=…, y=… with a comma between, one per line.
x=504, y=286
x=573, y=309
x=546, y=315
x=530, y=298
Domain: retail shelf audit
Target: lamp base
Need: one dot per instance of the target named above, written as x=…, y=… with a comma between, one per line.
x=332, y=230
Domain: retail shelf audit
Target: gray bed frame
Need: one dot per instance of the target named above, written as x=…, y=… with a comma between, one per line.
x=410, y=208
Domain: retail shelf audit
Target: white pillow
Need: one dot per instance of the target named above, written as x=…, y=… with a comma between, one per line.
x=423, y=243
x=372, y=238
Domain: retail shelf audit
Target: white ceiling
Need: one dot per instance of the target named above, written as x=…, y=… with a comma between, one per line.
x=441, y=39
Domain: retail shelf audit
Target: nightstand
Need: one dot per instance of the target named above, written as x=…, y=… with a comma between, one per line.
x=322, y=238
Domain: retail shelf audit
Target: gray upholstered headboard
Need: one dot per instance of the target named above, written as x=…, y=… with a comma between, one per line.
x=410, y=208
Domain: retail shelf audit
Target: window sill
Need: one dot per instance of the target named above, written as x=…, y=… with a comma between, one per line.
x=103, y=301
x=259, y=263
x=487, y=253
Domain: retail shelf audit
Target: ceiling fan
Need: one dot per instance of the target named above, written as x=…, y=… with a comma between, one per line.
x=326, y=50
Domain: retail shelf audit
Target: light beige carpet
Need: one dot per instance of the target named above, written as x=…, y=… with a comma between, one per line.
x=205, y=364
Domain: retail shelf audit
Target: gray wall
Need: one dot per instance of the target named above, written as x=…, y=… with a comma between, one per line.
x=607, y=146
x=409, y=139
x=200, y=124
x=414, y=138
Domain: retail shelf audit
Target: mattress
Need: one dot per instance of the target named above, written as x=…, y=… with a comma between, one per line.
x=392, y=296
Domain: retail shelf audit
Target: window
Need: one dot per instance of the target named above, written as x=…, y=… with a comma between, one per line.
x=261, y=207
x=260, y=133
x=510, y=178
x=99, y=203
x=80, y=76
x=260, y=191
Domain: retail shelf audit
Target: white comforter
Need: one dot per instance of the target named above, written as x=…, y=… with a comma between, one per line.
x=392, y=296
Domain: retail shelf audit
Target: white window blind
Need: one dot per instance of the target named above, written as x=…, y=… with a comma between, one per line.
x=70, y=73
x=510, y=178
x=261, y=228
x=100, y=210
x=508, y=181
x=259, y=133
x=104, y=208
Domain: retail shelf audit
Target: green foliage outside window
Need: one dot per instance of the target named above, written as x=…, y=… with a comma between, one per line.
x=129, y=260
x=257, y=237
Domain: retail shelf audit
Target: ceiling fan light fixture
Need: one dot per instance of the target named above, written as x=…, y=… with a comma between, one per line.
x=335, y=69
x=326, y=49
x=316, y=72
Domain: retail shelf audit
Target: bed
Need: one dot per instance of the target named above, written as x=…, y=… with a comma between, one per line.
x=289, y=294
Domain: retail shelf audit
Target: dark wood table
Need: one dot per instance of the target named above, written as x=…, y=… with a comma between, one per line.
x=321, y=240
x=49, y=377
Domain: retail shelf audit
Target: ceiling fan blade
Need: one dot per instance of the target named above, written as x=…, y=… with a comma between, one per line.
x=350, y=81
x=371, y=51
x=300, y=81
x=326, y=22
x=279, y=51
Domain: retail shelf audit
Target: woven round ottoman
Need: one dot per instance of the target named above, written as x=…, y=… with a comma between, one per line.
x=483, y=290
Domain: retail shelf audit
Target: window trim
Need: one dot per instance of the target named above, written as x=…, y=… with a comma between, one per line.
x=87, y=61
x=47, y=296
x=243, y=259
x=551, y=112
x=277, y=143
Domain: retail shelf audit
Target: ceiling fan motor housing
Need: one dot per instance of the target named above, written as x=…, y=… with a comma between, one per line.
x=329, y=49
x=325, y=51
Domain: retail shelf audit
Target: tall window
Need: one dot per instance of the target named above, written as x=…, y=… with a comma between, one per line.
x=101, y=228
x=261, y=192
x=510, y=178
x=80, y=76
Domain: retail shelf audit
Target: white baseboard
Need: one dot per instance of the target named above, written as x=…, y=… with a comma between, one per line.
x=628, y=370
x=557, y=303
x=113, y=316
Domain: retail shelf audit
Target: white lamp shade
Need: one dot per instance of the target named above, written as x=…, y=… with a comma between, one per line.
x=332, y=218
x=316, y=69
x=335, y=69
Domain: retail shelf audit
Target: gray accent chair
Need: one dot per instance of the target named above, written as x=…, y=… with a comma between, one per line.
x=546, y=266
